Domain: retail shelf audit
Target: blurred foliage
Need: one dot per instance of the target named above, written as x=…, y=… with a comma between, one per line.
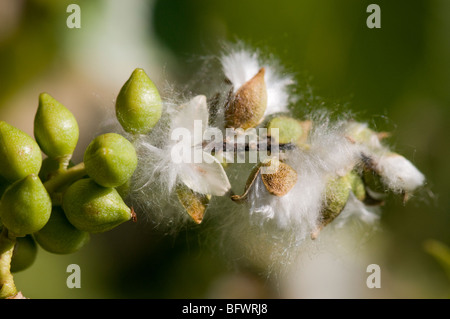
x=440, y=252
x=397, y=78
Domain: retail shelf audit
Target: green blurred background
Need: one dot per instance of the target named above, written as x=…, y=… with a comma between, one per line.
x=397, y=78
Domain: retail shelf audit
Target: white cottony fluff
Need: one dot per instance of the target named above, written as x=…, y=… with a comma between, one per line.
x=330, y=154
x=203, y=175
x=159, y=171
x=240, y=65
x=265, y=225
x=398, y=173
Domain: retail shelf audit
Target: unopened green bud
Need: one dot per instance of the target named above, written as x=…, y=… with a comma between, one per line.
x=110, y=159
x=55, y=128
x=59, y=236
x=25, y=206
x=20, y=155
x=357, y=185
x=337, y=192
x=94, y=208
x=290, y=130
x=24, y=255
x=138, y=105
x=247, y=107
x=194, y=203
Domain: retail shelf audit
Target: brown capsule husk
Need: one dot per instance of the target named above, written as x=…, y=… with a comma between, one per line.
x=250, y=181
x=194, y=203
x=278, y=178
x=280, y=181
x=246, y=108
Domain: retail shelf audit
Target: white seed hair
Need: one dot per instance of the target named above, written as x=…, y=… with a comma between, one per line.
x=398, y=173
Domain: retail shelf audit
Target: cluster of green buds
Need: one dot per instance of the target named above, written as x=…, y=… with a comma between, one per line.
x=46, y=200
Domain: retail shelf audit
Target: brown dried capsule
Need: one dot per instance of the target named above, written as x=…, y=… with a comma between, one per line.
x=247, y=107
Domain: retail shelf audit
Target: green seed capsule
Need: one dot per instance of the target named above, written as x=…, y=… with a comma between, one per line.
x=138, y=105
x=25, y=206
x=357, y=185
x=290, y=130
x=55, y=128
x=336, y=196
x=20, y=155
x=94, y=208
x=59, y=236
x=24, y=255
x=337, y=193
x=110, y=159
x=48, y=169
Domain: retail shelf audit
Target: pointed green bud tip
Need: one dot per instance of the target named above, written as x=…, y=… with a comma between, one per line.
x=55, y=128
x=247, y=106
x=290, y=130
x=20, y=155
x=110, y=159
x=94, y=208
x=138, y=105
x=59, y=236
x=24, y=255
x=25, y=206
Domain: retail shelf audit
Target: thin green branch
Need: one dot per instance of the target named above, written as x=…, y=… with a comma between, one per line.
x=65, y=178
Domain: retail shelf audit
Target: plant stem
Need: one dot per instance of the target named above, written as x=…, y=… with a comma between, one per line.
x=7, y=286
x=65, y=177
x=7, y=243
x=235, y=147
